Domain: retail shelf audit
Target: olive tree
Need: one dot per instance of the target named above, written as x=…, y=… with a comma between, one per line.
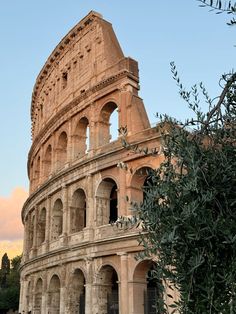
x=188, y=215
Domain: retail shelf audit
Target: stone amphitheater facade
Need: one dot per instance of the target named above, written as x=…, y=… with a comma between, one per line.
x=75, y=259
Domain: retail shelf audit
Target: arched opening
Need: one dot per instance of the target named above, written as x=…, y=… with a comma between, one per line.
x=61, y=150
x=113, y=205
x=76, y=300
x=38, y=297
x=145, y=289
x=109, y=123
x=106, y=202
x=108, y=291
x=81, y=137
x=57, y=220
x=140, y=180
x=48, y=162
x=78, y=211
x=54, y=295
x=41, y=226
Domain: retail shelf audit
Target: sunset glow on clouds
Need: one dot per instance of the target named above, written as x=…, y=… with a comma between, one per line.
x=12, y=248
x=11, y=228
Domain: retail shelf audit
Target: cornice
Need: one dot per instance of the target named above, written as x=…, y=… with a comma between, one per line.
x=128, y=235
x=60, y=50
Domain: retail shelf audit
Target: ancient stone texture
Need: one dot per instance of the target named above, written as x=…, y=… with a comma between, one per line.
x=75, y=259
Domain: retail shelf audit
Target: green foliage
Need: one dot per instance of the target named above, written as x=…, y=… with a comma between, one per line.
x=188, y=215
x=189, y=212
x=5, y=263
x=5, y=269
x=221, y=6
x=10, y=291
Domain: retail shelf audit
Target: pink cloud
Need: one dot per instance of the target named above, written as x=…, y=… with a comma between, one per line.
x=11, y=227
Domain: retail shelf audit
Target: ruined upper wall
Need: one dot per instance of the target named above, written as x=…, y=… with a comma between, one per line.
x=87, y=55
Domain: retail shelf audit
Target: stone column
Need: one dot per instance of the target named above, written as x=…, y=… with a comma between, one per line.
x=25, y=242
x=89, y=287
x=125, y=108
x=48, y=222
x=70, y=154
x=92, y=128
x=34, y=247
x=44, y=294
x=63, y=289
x=88, y=298
x=22, y=295
x=122, y=202
x=90, y=204
x=54, y=154
x=123, y=286
x=74, y=139
x=65, y=230
x=40, y=178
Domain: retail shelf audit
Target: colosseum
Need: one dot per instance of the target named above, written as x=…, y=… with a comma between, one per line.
x=76, y=257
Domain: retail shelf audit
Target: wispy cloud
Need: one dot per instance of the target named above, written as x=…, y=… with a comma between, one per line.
x=11, y=228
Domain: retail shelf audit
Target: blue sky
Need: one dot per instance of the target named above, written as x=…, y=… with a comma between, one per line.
x=153, y=32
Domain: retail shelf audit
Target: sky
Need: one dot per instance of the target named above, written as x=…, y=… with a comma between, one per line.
x=153, y=32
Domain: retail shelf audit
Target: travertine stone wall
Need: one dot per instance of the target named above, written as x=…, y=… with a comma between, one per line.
x=75, y=259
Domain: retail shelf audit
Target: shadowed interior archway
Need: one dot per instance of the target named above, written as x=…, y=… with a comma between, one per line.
x=81, y=138
x=57, y=219
x=108, y=291
x=38, y=297
x=41, y=230
x=76, y=300
x=107, y=202
x=78, y=211
x=47, y=162
x=145, y=289
x=61, y=150
x=139, y=181
x=54, y=295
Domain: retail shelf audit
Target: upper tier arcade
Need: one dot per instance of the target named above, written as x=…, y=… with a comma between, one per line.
x=84, y=81
x=86, y=57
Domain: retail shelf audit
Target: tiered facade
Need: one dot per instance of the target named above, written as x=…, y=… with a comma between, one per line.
x=75, y=259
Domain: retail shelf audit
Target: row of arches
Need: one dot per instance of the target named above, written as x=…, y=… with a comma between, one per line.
x=107, y=212
x=55, y=224
x=69, y=146
x=48, y=224
x=105, y=292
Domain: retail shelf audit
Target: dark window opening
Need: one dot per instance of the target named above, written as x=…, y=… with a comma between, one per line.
x=113, y=205
x=152, y=294
x=148, y=183
x=84, y=214
x=113, y=296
